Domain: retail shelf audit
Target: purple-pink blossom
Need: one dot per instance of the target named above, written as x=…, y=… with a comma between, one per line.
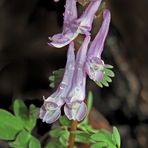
x=71, y=91
x=73, y=26
x=94, y=64
x=75, y=108
x=51, y=109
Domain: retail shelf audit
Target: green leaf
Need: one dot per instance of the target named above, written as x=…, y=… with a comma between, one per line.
x=104, y=136
x=82, y=138
x=20, y=110
x=33, y=116
x=64, y=121
x=99, y=84
x=57, y=132
x=56, y=77
x=104, y=82
x=55, y=144
x=108, y=79
x=90, y=101
x=116, y=137
x=109, y=66
x=21, y=140
x=9, y=125
x=99, y=145
x=34, y=143
x=109, y=72
x=27, y=117
x=52, y=78
x=64, y=138
x=87, y=128
x=52, y=85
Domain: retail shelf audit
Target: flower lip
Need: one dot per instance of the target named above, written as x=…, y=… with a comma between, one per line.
x=74, y=26
x=87, y=17
x=75, y=110
x=77, y=90
x=49, y=105
x=51, y=109
x=94, y=67
x=49, y=116
x=97, y=44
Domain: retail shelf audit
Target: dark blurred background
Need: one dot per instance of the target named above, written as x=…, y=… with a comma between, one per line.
x=26, y=61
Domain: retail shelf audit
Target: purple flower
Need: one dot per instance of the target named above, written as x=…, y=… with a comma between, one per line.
x=74, y=26
x=51, y=109
x=85, y=21
x=75, y=108
x=94, y=64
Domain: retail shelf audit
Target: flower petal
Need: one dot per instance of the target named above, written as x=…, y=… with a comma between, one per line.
x=60, y=94
x=88, y=16
x=51, y=109
x=69, y=68
x=69, y=26
x=70, y=12
x=97, y=44
x=75, y=111
x=50, y=116
x=77, y=90
x=63, y=39
x=94, y=67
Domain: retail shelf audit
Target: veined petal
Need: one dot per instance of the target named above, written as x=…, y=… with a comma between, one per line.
x=63, y=39
x=70, y=66
x=97, y=44
x=51, y=109
x=75, y=110
x=81, y=55
x=73, y=26
x=94, y=68
x=87, y=17
x=70, y=12
x=63, y=88
x=94, y=65
x=49, y=116
x=77, y=90
x=69, y=26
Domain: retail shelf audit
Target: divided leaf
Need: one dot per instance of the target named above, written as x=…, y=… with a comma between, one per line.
x=56, y=77
x=82, y=138
x=105, y=137
x=108, y=74
x=116, y=137
x=57, y=132
x=21, y=140
x=99, y=145
x=27, y=117
x=64, y=138
x=64, y=121
x=34, y=143
x=9, y=125
x=54, y=144
x=33, y=116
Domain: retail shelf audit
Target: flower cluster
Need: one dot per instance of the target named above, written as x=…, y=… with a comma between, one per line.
x=71, y=91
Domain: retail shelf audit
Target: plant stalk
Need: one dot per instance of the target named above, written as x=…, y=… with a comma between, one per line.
x=72, y=135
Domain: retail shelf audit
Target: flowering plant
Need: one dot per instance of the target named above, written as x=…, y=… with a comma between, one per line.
x=70, y=96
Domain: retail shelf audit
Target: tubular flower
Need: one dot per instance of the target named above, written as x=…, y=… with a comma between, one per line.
x=51, y=109
x=73, y=26
x=75, y=108
x=94, y=64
